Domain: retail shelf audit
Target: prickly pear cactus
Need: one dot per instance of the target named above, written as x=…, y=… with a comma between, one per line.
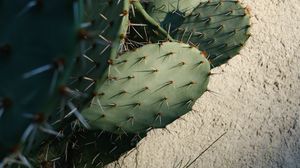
x=87, y=148
x=148, y=88
x=170, y=13
x=103, y=29
x=104, y=33
x=37, y=40
x=220, y=28
x=138, y=65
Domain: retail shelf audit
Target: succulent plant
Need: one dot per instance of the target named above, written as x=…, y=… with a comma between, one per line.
x=98, y=75
x=148, y=88
x=36, y=47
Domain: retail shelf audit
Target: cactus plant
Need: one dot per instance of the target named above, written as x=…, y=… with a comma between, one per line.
x=36, y=46
x=149, y=87
x=134, y=70
x=218, y=27
x=86, y=148
x=105, y=32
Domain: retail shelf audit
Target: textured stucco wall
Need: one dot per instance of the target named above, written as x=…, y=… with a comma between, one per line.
x=257, y=103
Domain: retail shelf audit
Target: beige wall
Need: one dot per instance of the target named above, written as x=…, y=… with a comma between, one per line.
x=257, y=103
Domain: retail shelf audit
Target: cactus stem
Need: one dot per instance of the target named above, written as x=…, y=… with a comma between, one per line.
x=148, y=18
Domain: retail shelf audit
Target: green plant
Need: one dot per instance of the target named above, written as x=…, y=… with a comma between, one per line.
x=104, y=73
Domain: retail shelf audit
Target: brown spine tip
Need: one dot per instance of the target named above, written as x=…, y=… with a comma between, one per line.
x=124, y=13
x=39, y=118
x=182, y=63
x=83, y=34
x=101, y=94
x=192, y=83
x=5, y=49
x=58, y=63
x=164, y=99
x=158, y=114
x=248, y=10
x=204, y=53
x=122, y=36
x=130, y=77
x=110, y=62
x=15, y=148
x=201, y=62
x=111, y=78
x=170, y=82
x=63, y=90
x=6, y=102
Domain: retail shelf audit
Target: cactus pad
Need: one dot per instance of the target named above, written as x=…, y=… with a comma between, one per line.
x=220, y=28
x=104, y=34
x=148, y=88
x=170, y=12
x=37, y=40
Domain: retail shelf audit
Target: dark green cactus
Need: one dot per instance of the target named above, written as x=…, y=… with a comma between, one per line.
x=87, y=149
x=107, y=23
x=37, y=41
x=170, y=12
x=104, y=26
x=148, y=88
x=220, y=28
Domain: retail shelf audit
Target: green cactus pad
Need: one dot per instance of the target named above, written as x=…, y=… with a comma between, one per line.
x=107, y=23
x=170, y=12
x=220, y=28
x=86, y=148
x=148, y=88
x=37, y=40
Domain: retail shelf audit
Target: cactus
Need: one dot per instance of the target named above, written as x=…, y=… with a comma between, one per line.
x=134, y=70
x=148, y=88
x=218, y=27
x=104, y=26
x=86, y=148
x=105, y=33
x=171, y=12
x=36, y=45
